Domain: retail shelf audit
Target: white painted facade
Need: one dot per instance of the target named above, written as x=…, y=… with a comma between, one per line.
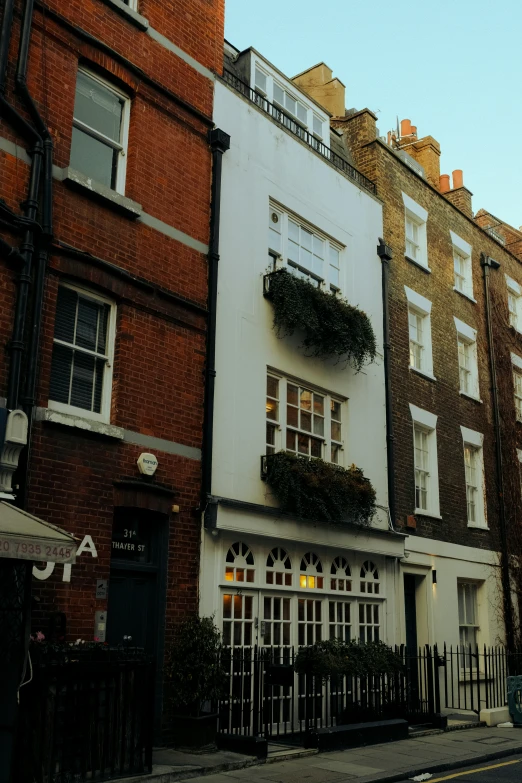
x=268, y=169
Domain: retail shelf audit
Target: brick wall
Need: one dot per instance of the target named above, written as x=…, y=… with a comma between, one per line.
x=442, y=396
x=158, y=284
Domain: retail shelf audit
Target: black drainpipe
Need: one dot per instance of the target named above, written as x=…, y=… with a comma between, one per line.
x=488, y=264
x=29, y=398
x=385, y=253
x=219, y=143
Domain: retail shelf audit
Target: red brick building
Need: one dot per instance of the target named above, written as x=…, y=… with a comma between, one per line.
x=122, y=93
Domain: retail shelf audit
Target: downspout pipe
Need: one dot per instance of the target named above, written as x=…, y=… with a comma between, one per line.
x=219, y=143
x=385, y=253
x=488, y=264
x=41, y=259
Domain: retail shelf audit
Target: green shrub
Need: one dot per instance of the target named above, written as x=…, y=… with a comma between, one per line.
x=331, y=326
x=318, y=490
x=193, y=665
x=335, y=658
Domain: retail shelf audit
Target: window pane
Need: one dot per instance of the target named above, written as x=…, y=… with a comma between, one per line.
x=306, y=421
x=292, y=394
x=316, y=448
x=61, y=374
x=98, y=107
x=306, y=400
x=65, y=314
x=291, y=416
x=272, y=387
x=83, y=381
x=260, y=80
x=319, y=404
x=279, y=95
x=302, y=113
x=303, y=443
x=87, y=324
x=318, y=425
x=93, y=158
x=317, y=126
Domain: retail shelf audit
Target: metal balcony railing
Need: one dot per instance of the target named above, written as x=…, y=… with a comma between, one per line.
x=291, y=124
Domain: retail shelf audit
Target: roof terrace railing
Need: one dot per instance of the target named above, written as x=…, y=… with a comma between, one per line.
x=291, y=124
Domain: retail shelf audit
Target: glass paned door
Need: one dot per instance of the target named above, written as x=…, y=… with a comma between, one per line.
x=239, y=623
x=276, y=639
x=239, y=614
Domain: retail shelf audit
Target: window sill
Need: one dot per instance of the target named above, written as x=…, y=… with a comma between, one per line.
x=86, y=185
x=418, y=264
x=132, y=16
x=470, y=397
x=421, y=512
x=465, y=295
x=474, y=526
x=79, y=422
x=427, y=375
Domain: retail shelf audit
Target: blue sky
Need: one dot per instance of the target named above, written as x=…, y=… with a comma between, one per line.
x=454, y=68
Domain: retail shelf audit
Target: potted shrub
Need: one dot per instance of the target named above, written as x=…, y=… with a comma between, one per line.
x=196, y=678
x=318, y=490
x=330, y=326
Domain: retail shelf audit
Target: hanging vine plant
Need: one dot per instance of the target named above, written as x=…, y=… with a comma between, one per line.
x=331, y=326
x=318, y=490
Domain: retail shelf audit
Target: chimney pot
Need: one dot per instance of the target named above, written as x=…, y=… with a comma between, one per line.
x=405, y=128
x=444, y=183
x=458, y=179
x=413, y=130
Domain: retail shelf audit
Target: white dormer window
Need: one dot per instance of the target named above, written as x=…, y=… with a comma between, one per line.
x=298, y=114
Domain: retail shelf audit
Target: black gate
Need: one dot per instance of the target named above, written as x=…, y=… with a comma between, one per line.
x=87, y=714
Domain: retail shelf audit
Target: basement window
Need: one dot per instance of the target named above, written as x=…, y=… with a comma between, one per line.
x=83, y=347
x=100, y=131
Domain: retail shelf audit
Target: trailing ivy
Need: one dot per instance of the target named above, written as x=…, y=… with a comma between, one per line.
x=319, y=490
x=331, y=326
x=335, y=658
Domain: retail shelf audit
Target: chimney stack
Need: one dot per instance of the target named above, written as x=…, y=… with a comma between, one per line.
x=405, y=128
x=323, y=88
x=444, y=183
x=459, y=195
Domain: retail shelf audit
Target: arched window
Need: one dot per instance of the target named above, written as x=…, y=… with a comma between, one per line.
x=311, y=570
x=239, y=564
x=279, y=568
x=340, y=575
x=369, y=578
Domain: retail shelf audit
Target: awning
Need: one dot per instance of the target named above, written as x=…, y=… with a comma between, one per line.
x=24, y=537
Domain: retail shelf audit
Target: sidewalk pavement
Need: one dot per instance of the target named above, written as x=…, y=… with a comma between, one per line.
x=392, y=761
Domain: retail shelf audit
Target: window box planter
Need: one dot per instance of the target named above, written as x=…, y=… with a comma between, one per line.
x=318, y=490
x=331, y=326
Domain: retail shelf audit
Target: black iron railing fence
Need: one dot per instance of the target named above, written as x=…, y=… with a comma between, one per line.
x=266, y=697
x=86, y=715
x=291, y=124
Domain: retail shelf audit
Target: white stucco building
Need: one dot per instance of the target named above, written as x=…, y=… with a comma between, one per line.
x=287, y=200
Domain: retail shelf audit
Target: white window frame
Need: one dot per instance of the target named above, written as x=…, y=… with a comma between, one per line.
x=280, y=426
x=462, y=585
x=418, y=216
x=516, y=362
x=515, y=314
x=475, y=441
x=421, y=306
x=122, y=146
x=427, y=422
x=462, y=251
x=468, y=336
x=106, y=398
x=133, y=4
x=278, y=242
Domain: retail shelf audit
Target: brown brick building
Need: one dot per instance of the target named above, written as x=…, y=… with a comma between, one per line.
x=114, y=267
x=455, y=493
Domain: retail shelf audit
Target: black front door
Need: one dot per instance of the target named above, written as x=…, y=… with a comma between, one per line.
x=131, y=615
x=410, y=612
